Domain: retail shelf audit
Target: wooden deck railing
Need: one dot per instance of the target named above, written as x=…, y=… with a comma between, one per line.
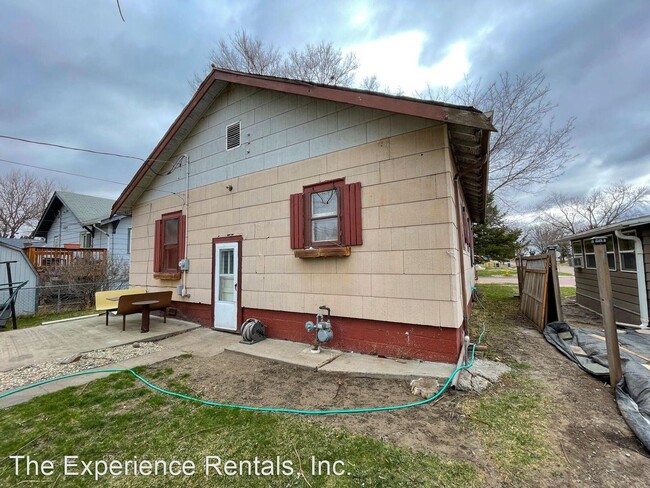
x=48, y=258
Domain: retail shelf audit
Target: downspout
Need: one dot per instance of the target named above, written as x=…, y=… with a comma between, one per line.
x=640, y=278
x=109, y=248
x=463, y=284
x=187, y=219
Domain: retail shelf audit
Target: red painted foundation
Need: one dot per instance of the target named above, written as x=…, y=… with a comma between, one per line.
x=390, y=339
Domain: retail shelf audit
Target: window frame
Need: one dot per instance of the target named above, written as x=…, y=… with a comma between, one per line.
x=129, y=233
x=607, y=253
x=165, y=218
x=84, y=238
x=632, y=251
x=308, y=191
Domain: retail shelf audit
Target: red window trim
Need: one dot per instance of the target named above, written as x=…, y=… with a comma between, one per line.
x=159, y=242
x=348, y=213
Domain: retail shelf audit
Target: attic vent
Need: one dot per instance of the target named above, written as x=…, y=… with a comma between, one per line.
x=233, y=136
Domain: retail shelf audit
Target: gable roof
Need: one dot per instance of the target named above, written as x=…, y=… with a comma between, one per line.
x=87, y=210
x=469, y=129
x=607, y=229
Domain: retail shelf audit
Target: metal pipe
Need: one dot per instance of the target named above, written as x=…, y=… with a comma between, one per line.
x=462, y=358
x=640, y=276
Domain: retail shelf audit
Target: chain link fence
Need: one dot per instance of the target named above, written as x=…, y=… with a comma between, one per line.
x=70, y=287
x=69, y=297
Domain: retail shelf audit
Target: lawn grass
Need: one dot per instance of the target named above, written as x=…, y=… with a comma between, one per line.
x=512, y=418
x=116, y=418
x=34, y=320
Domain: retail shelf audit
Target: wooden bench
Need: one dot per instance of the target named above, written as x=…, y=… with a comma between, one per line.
x=126, y=305
x=106, y=301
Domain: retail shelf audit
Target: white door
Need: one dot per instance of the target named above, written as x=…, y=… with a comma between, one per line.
x=226, y=271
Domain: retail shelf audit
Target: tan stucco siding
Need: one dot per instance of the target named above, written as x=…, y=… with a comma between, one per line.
x=407, y=269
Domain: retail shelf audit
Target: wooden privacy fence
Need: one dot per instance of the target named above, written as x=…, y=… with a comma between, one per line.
x=539, y=289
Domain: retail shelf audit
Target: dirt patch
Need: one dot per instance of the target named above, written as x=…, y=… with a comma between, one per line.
x=235, y=378
x=579, y=316
x=590, y=442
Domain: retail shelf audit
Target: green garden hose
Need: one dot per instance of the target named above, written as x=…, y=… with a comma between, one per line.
x=256, y=409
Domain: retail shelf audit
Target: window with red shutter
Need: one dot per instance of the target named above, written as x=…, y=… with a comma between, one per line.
x=325, y=215
x=169, y=243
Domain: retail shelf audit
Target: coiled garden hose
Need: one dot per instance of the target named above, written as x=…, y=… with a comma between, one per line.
x=251, y=408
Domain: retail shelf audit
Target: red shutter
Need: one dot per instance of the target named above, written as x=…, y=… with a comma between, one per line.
x=181, y=237
x=157, y=245
x=297, y=221
x=352, y=215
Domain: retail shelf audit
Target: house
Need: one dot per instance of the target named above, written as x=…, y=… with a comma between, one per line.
x=75, y=221
x=282, y=196
x=628, y=256
x=21, y=270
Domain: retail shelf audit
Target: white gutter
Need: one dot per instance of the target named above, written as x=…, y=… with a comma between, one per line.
x=640, y=276
x=108, y=239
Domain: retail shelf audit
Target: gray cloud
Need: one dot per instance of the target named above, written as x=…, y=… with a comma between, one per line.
x=75, y=74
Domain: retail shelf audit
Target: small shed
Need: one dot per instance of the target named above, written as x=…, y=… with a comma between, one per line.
x=628, y=254
x=21, y=270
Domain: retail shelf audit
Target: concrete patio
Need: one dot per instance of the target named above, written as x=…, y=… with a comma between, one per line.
x=43, y=343
x=23, y=347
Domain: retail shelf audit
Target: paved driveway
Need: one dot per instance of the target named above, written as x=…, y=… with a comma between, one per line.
x=22, y=347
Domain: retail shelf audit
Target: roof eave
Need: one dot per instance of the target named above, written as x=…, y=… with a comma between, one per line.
x=446, y=113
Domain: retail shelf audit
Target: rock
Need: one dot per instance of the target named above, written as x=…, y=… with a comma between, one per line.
x=136, y=345
x=71, y=359
x=479, y=384
x=490, y=370
x=464, y=382
x=425, y=387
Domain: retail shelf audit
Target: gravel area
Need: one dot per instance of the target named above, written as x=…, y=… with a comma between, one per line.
x=88, y=360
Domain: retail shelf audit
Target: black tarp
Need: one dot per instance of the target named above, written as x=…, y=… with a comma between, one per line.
x=633, y=391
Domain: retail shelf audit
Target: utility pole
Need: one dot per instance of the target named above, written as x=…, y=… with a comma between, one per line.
x=607, y=309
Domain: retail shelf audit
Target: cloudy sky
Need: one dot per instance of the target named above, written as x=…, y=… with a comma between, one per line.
x=75, y=74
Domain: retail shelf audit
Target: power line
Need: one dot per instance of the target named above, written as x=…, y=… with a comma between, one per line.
x=84, y=176
x=71, y=148
x=62, y=172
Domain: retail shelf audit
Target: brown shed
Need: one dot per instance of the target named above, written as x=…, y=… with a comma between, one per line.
x=628, y=254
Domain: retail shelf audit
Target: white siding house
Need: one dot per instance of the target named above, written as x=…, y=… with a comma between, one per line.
x=74, y=219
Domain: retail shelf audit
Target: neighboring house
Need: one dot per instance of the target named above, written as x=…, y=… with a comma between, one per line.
x=21, y=270
x=73, y=220
x=628, y=256
x=286, y=196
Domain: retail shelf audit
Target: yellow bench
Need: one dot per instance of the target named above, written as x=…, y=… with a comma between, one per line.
x=107, y=301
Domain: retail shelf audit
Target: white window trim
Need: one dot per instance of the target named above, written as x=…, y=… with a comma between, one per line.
x=594, y=253
x=227, y=127
x=129, y=238
x=582, y=249
x=633, y=252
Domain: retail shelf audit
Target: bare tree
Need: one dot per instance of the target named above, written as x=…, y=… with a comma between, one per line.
x=528, y=149
x=317, y=63
x=23, y=198
x=371, y=83
x=248, y=54
x=599, y=207
x=543, y=235
x=321, y=63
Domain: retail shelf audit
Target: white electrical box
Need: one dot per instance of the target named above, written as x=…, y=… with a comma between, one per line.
x=184, y=264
